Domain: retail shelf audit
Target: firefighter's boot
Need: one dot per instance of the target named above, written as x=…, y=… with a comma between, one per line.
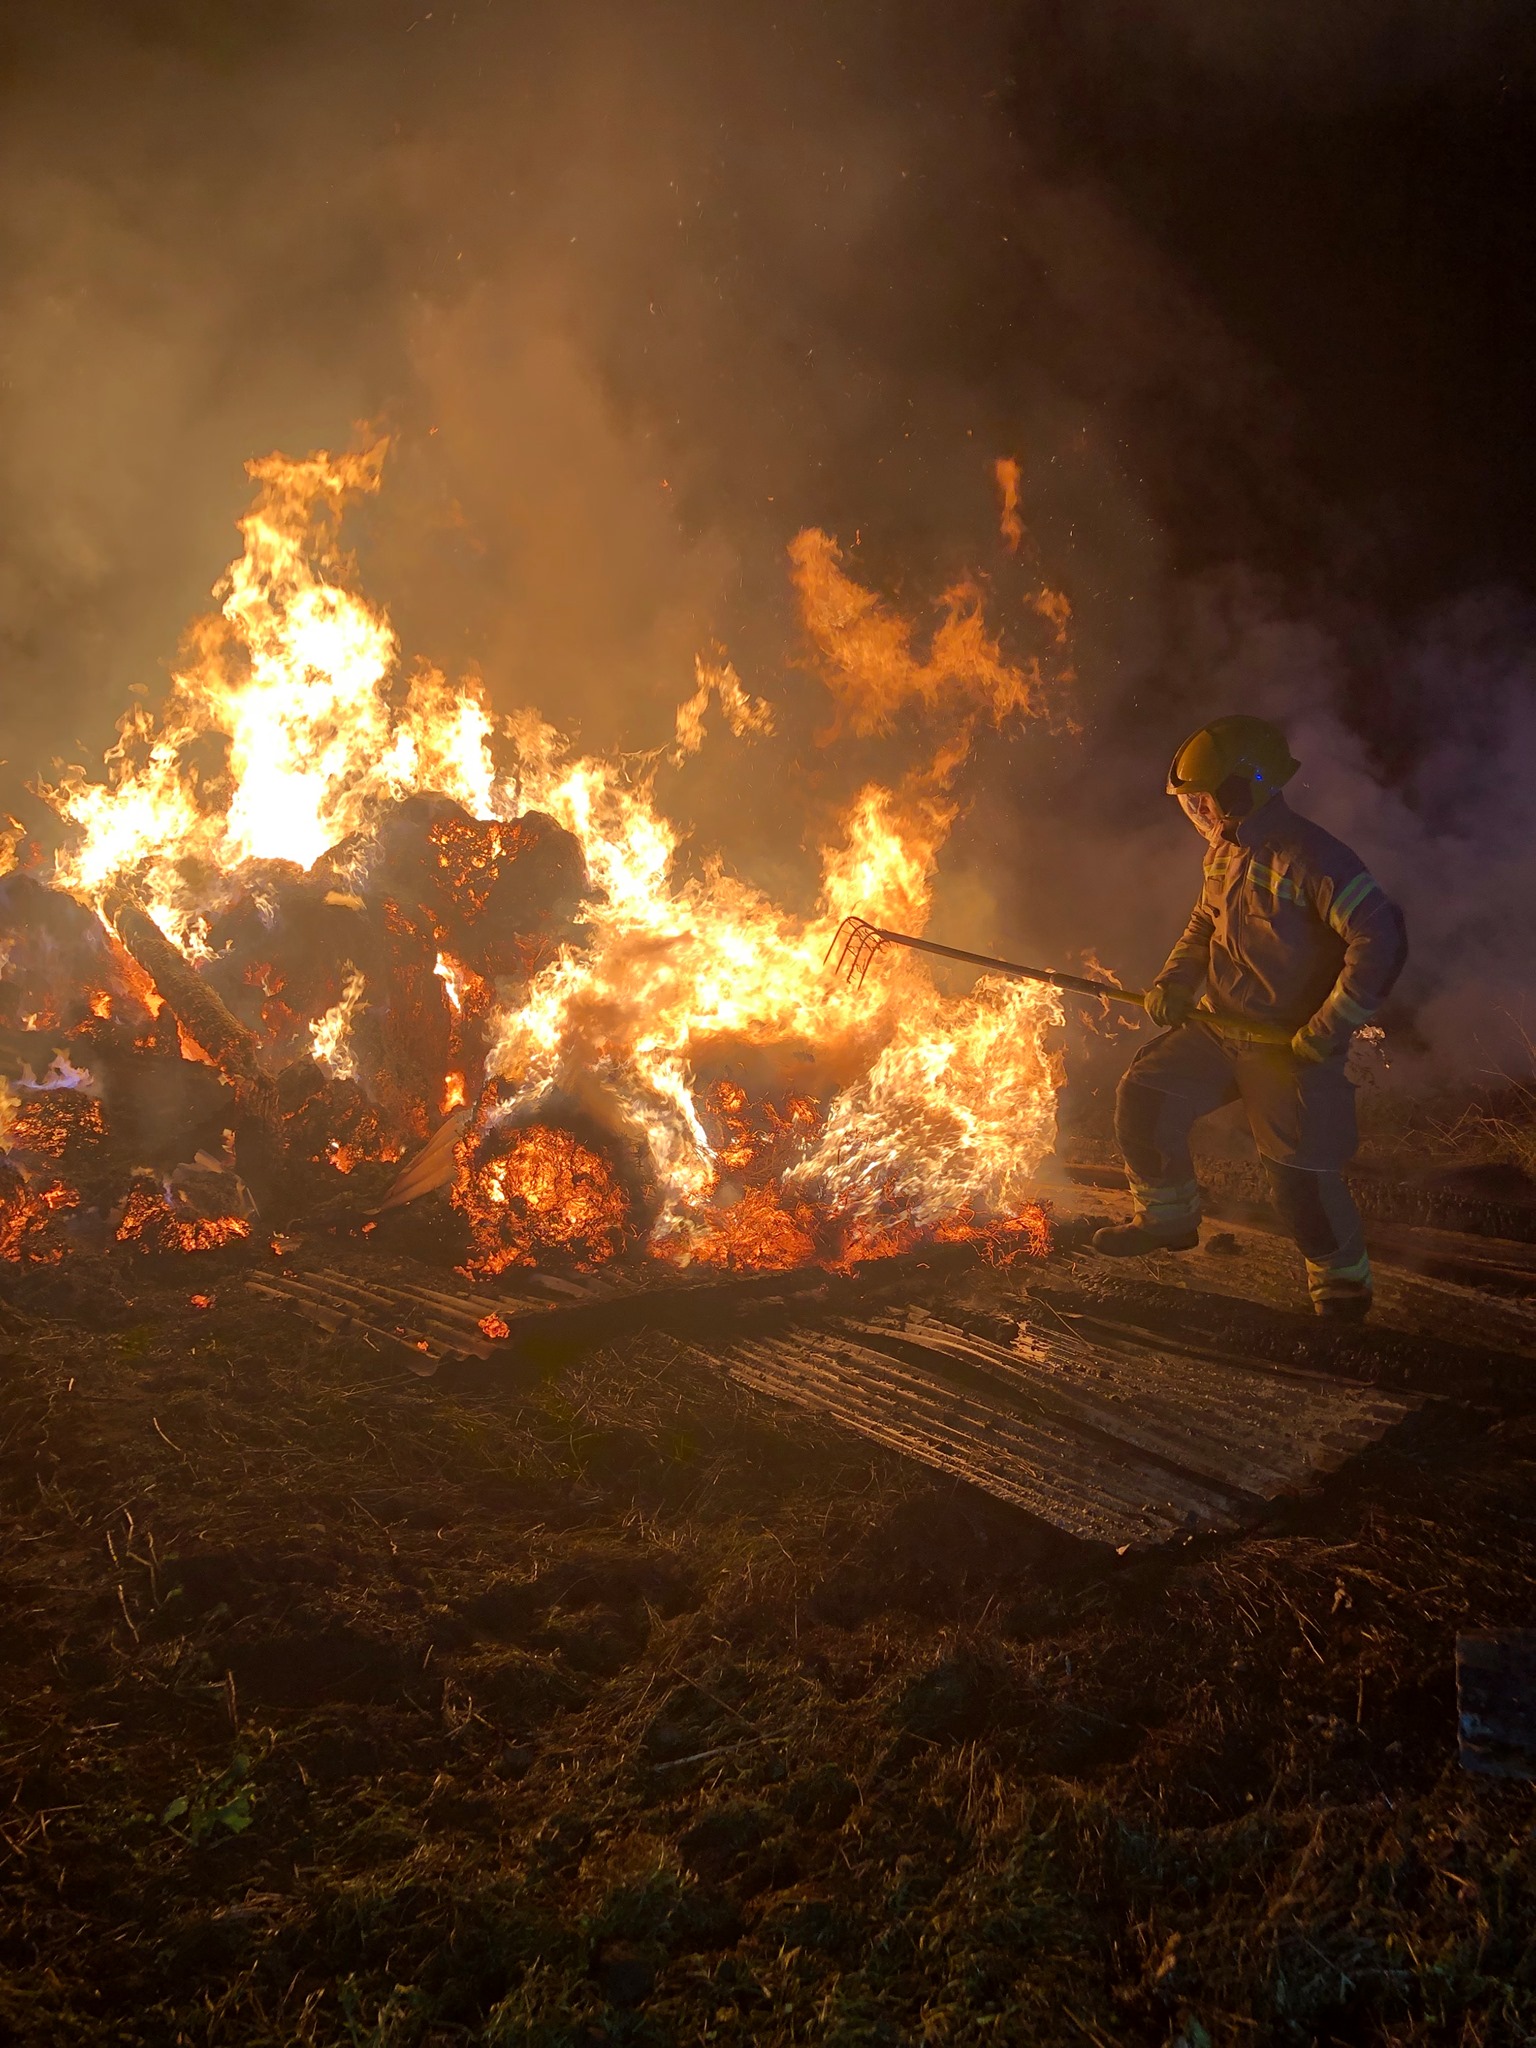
x=1344, y=1308
x=1130, y=1240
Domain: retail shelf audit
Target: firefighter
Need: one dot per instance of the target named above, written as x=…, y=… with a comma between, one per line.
x=1297, y=947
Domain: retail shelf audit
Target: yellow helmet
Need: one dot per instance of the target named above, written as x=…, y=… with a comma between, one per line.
x=1250, y=749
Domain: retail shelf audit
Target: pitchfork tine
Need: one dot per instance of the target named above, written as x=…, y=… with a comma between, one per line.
x=856, y=942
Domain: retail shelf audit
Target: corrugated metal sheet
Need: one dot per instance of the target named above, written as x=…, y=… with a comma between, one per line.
x=1102, y=1430
x=1116, y=1438
x=432, y=1323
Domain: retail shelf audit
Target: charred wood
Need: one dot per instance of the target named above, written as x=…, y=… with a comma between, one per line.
x=201, y=1012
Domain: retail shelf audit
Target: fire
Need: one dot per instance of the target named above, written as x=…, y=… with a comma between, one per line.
x=452, y=977
x=1010, y=521
x=529, y=1194
x=867, y=658
x=331, y=1034
x=760, y=1233
x=290, y=730
x=151, y=1224
x=47, y=1123
x=743, y=714
x=31, y=1219
x=295, y=678
x=955, y=1113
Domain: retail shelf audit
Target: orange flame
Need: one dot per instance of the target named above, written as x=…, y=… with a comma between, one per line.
x=934, y=1107
x=30, y=1219
x=865, y=652
x=1006, y=471
x=540, y=1193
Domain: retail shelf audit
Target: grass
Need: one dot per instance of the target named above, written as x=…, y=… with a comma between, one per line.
x=598, y=1707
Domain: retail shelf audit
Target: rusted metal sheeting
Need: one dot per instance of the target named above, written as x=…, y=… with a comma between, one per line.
x=429, y=1324
x=1262, y=1428
x=1116, y=1441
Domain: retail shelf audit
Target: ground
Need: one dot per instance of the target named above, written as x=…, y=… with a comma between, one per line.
x=586, y=1699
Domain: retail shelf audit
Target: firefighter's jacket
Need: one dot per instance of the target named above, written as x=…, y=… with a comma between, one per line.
x=1291, y=929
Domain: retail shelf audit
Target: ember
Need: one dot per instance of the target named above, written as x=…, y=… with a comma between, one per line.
x=50, y=1123
x=31, y=1219
x=537, y=1193
x=759, y=1233
x=151, y=1224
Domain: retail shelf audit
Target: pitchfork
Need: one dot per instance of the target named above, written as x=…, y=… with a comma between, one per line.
x=856, y=943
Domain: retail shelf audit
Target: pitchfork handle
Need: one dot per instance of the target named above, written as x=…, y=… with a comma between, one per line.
x=1078, y=984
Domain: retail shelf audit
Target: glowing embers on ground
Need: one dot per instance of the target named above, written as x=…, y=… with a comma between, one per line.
x=152, y=1222
x=33, y=1214
x=535, y=1193
x=55, y=1123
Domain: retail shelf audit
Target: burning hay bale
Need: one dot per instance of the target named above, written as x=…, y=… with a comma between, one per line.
x=327, y=1029
x=203, y=1207
x=566, y=1190
x=500, y=896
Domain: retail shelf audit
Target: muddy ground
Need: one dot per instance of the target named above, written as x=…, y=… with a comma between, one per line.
x=586, y=1699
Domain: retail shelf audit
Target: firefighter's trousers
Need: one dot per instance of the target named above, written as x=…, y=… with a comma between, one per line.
x=1302, y=1116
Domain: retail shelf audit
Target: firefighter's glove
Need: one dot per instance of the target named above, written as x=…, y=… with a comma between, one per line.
x=1309, y=1048
x=1169, y=1003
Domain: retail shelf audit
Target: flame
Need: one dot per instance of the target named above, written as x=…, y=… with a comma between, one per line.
x=1006, y=470
x=866, y=656
x=1112, y=1019
x=955, y=1113
x=451, y=976
x=539, y=1192
x=30, y=1218
x=331, y=1034
x=743, y=714
x=297, y=678
x=290, y=724
x=761, y=1233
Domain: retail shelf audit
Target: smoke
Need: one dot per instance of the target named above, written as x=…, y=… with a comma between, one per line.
x=640, y=293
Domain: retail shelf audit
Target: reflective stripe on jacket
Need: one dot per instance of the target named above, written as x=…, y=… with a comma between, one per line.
x=1291, y=928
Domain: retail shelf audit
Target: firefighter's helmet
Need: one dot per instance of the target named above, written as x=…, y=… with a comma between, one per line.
x=1232, y=751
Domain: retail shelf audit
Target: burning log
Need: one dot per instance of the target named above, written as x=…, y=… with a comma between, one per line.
x=212, y=1026
x=200, y=1011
